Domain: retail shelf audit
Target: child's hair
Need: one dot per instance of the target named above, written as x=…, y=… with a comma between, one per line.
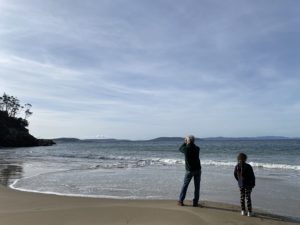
x=242, y=157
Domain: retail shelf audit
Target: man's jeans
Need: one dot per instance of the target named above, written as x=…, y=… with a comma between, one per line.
x=187, y=179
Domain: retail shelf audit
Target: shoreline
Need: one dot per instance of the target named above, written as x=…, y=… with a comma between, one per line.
x=233, y=206
x=20, y=207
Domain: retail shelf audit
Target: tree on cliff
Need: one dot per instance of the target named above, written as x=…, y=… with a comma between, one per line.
x=12, y=107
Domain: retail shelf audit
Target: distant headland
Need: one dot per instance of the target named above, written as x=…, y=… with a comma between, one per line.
x=13, y=131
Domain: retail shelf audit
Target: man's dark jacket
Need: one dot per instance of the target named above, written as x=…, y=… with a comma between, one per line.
x=244, y=174
x=191, y=153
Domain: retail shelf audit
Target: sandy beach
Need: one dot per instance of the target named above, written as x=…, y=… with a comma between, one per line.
x=23, y=208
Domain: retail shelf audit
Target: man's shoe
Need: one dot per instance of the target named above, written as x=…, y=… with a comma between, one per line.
x=197, y=205
x=180, y=203
x=243, y=213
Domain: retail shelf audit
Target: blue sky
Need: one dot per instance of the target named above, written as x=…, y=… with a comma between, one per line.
x=140, y=69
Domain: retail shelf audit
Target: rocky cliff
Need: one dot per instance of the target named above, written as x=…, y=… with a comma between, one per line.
x=13, y=133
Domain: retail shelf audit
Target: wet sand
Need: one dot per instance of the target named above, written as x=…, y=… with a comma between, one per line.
x=23, y=208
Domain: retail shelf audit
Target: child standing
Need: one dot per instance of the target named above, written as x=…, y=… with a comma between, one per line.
x=244, y=174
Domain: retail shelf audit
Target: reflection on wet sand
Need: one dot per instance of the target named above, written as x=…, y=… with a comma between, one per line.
x=9, y=173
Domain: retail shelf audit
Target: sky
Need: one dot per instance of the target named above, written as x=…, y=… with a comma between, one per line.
x=140, y=69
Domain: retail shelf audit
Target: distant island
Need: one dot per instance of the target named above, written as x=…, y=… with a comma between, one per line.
x=13, y=129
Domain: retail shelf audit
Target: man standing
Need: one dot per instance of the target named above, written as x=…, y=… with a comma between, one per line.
x=193, y=169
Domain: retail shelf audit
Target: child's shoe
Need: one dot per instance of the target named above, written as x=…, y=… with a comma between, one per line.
x=243, y=213
x=250, y=214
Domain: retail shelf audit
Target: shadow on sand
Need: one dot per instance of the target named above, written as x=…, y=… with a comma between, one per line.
x=258, y=213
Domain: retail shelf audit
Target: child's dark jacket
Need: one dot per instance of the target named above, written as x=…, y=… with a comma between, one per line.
x=244, y=174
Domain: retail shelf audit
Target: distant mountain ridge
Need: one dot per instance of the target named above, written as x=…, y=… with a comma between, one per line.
x=225, y=138
x=65, y=139
x=158, y=139
x=167, y=139
x=249, y=138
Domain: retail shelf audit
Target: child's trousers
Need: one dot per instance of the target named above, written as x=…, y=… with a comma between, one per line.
x=246, y=193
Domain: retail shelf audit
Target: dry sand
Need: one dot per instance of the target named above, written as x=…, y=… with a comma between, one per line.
x=22, y=208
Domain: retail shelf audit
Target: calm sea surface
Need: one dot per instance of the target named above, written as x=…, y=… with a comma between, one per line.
x=155, y=170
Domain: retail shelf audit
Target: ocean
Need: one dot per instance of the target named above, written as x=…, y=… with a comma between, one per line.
x=155, y=170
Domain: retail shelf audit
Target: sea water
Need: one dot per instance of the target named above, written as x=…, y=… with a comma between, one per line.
x=155, y=170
